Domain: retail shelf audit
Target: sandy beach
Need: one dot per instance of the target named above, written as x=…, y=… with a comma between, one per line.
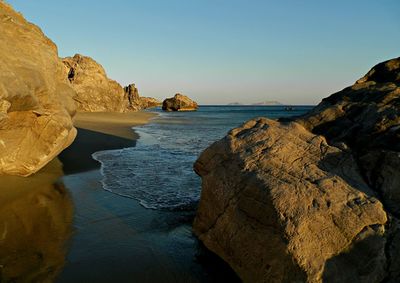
x=115, y=124
x=35, y=225
x=37, y=211
x=115, y=239
x=100, y=131
x=82, y=233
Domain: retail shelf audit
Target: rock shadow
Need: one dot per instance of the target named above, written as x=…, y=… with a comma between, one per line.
x=78, y=157
x=365, y=261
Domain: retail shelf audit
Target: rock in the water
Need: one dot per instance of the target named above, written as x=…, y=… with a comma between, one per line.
x=149, y=102
x=277, y=209
x=314, y=199
x=179, y=103
x=95, y=91
x=35, y=100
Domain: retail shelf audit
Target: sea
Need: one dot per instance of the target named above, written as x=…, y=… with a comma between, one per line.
x=158, y=171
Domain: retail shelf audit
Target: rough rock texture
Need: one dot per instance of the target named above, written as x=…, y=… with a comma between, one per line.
x=366, y=117
x=95, y=91
x=132, y=96
x=314, y=199
x=149, y=102
x=179, y=103
x=35, y=101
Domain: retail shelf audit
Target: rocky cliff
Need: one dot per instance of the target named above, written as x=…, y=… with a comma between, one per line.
x=95, y=91
x=313, y=199
x=35, y=100
x=179, y=102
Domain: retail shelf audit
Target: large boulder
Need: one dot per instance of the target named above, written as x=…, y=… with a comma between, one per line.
x=179, y=103
x=35, y=100
x=311, y=199
x=95, y=91
x=366, y=117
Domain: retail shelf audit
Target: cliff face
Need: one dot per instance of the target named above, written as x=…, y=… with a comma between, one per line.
x=313, y=199
x=95, y=91
x=35, y=100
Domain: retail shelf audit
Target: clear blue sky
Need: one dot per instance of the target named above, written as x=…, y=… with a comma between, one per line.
x=221, y=51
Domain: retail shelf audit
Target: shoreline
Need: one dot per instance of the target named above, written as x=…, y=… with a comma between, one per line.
x=98, y=131
x=112, y=123
x=115, y=239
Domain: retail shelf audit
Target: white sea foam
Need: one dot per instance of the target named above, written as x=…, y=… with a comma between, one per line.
x=158, y=171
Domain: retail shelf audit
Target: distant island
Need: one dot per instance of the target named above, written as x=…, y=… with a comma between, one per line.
x=266, y=103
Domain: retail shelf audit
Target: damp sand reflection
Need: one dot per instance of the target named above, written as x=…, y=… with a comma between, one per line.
x=35, y=225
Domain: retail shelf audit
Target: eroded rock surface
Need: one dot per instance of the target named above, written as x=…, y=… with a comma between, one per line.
x=179, y=103
x=366, y=117
x=314, y=199
x=95, y=91
x=132, y=96
x=35, y=101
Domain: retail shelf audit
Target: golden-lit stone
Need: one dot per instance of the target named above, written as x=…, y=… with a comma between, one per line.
x=35, y=101
x=179, y=103
x=313, y=198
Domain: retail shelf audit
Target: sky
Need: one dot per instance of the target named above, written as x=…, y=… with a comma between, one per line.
x=223, y=51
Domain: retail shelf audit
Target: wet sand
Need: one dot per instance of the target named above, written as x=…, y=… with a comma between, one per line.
x=100, y=131
x=35, y=224
x=115, y=239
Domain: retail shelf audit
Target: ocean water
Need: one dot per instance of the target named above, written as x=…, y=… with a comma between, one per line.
x=158, y=172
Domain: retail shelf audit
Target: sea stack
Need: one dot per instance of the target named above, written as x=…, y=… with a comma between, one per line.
x=132, y=97
x=179, y=102
x=312, y=199
x=35, y=98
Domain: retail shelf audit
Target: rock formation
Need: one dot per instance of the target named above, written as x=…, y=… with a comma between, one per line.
x=35, y=100
x=312, y=199
x=179, y=103
x=95, y=91
x=366, y=117
x=132, y=96
x=149, y=102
